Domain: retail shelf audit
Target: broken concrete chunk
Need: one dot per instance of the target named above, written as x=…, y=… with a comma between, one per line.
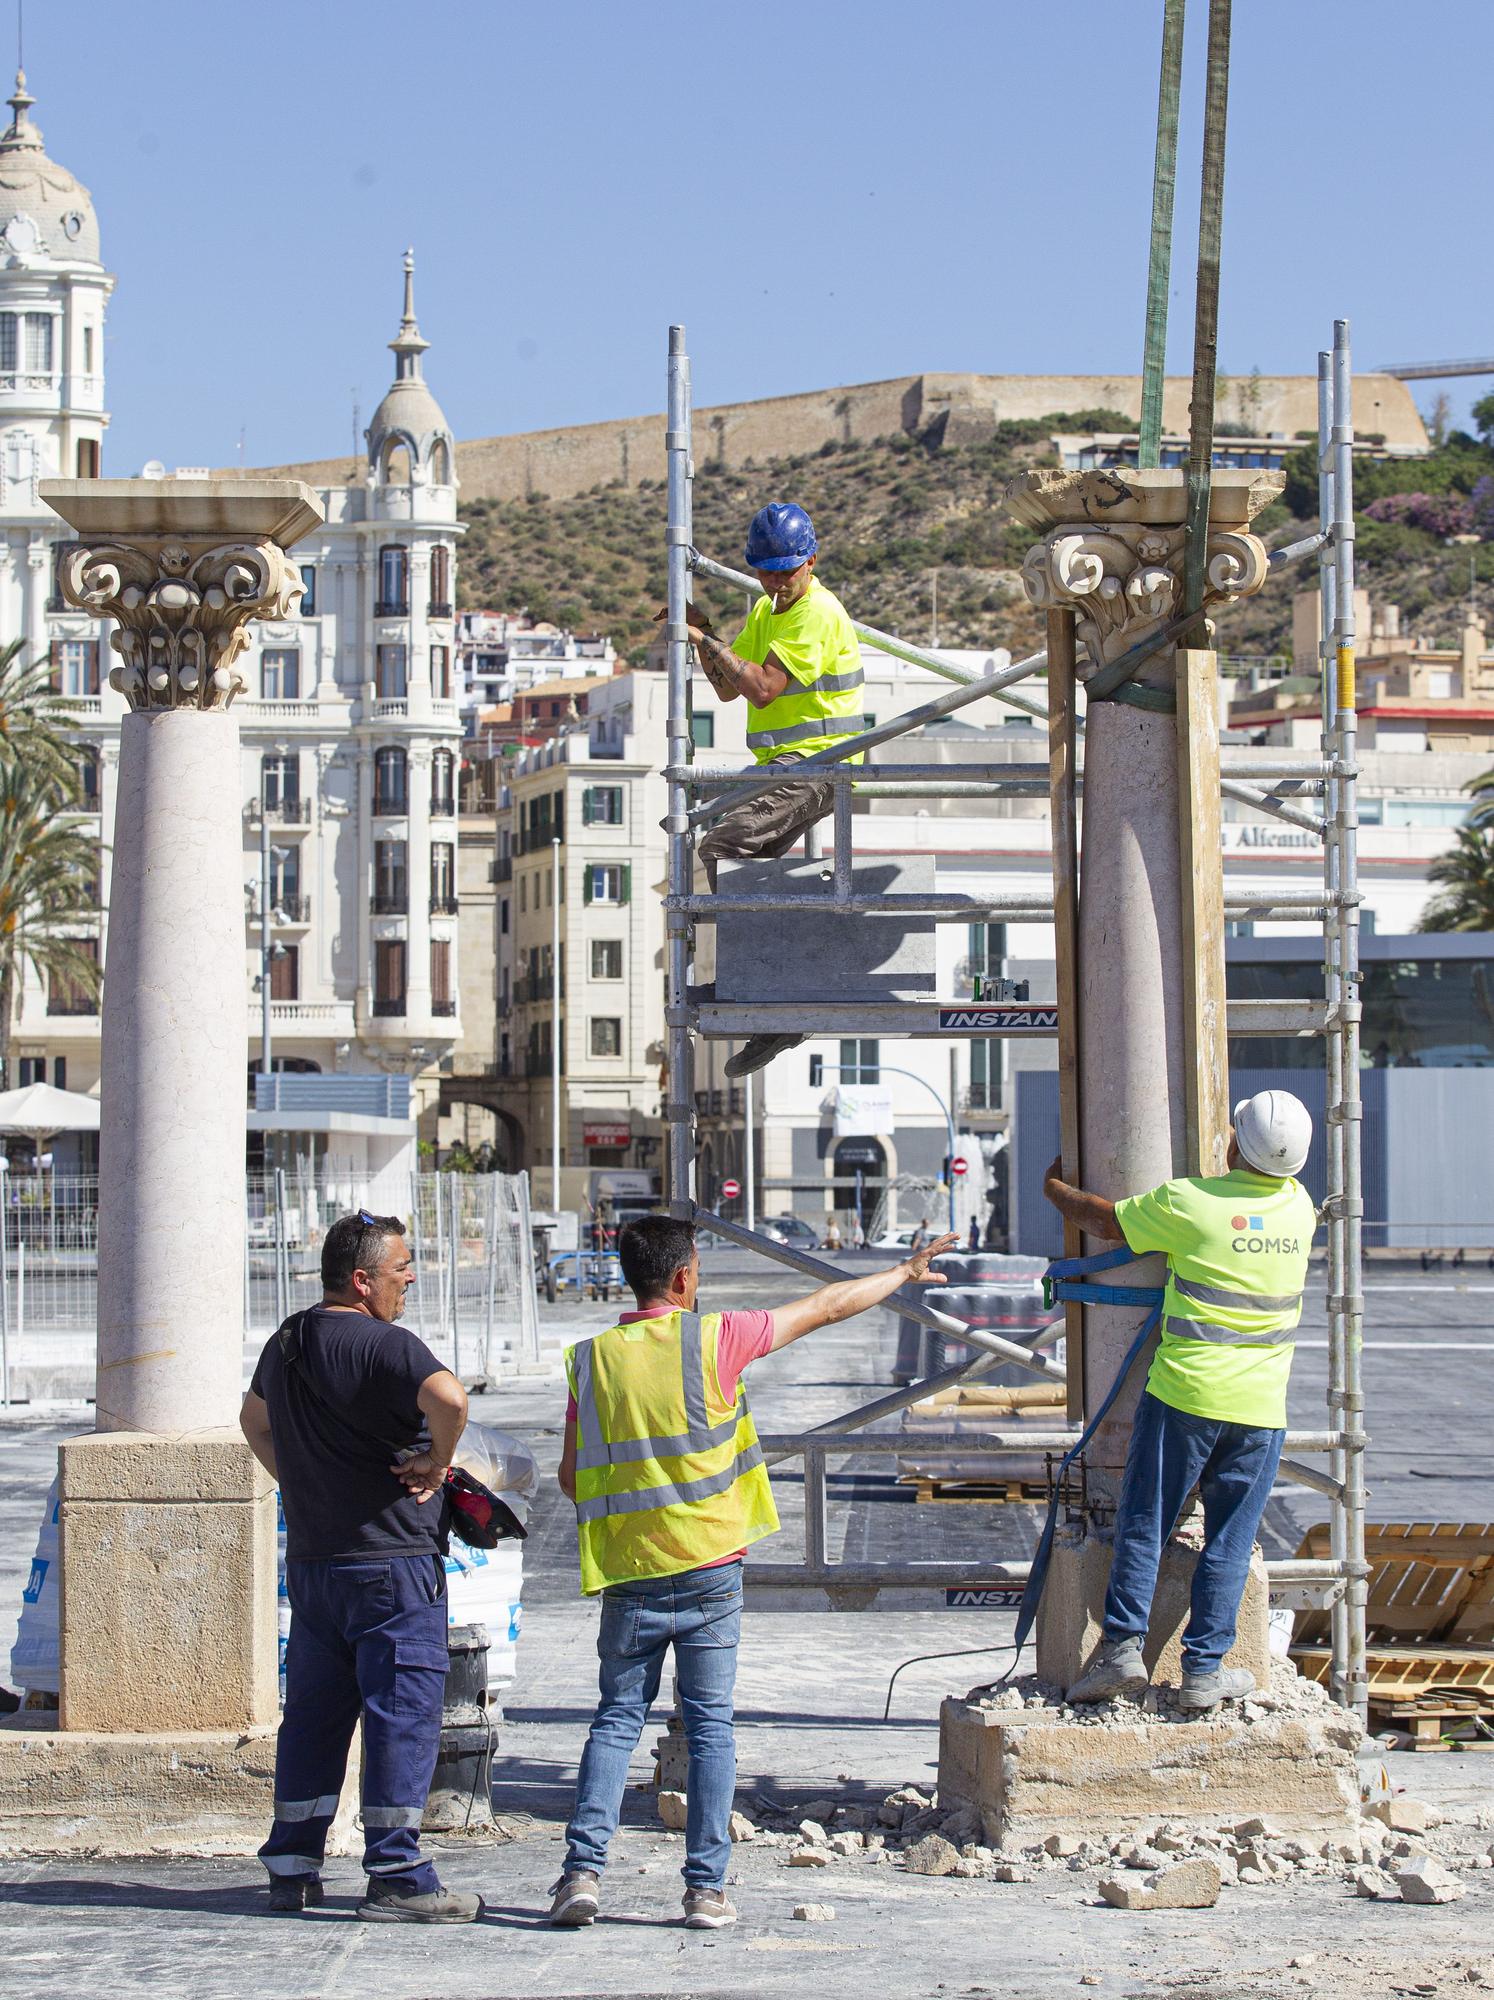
x=672, y=1810
x=1256, y=1829
x=1252, y=1878
x=739, y=1827
x=1401, y=1815
x=1011, y=1871
x=814, y=1913
x=962, y=1825
x=1123, y=1895
x=933, y=1855
x=812, y=1831
x=845, y=1843
x=1375, y=1883
x=1140, y=1857
x=1187, y=1885
x=1427, y=1881
x=1063, y=1845
x=809, y=1857
x=824, y=1810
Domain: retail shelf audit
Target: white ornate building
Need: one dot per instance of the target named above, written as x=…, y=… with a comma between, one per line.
x=349, y=725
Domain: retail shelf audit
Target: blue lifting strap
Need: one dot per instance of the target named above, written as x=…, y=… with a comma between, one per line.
x=1064, y=1279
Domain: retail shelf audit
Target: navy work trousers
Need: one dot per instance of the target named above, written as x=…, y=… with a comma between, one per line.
x=367, y=1634
x=1234, y=1468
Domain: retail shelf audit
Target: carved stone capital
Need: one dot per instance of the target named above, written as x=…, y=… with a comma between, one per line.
x=182, y=608
x=1125, y=581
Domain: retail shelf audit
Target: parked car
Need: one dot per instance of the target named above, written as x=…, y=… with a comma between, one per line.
x=989, y=1291
x=790, y=1230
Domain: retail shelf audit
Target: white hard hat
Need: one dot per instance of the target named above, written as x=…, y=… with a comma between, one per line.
x=1273, y=1130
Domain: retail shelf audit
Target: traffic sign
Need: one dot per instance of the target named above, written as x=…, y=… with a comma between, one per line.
x=730, y=1190
x=959, y=1166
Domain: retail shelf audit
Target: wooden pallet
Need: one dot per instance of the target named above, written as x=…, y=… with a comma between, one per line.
x=1429, y=1625
x=954, y=1492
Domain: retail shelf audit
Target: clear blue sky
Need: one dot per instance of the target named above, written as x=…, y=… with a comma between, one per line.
x=834, y=192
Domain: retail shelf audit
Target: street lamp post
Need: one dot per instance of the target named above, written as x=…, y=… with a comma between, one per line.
x=555, y=1025
x=892, y=1069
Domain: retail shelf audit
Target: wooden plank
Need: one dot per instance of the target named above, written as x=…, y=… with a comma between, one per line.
x=1063, y=744
x=1205, y=1032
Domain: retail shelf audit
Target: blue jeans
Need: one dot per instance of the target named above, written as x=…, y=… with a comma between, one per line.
x=1234, y=1468
x=700, y=1615
x=367, y=1634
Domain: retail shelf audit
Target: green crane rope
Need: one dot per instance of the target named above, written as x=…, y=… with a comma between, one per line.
x=1206, y=312
x=1159, y=269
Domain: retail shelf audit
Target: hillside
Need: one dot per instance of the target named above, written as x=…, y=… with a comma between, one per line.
x=892, y=511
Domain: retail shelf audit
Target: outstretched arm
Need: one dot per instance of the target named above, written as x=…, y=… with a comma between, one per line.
x=727, y=672
x=855, y=1295
x=1092, y=1212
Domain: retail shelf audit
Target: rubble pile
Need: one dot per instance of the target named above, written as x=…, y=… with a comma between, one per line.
x=1028, y=1699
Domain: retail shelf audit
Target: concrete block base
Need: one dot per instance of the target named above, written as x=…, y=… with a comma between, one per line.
x=1070, y=1627
x=1032, y=1779
x=168, y=1584
x=83, y=1792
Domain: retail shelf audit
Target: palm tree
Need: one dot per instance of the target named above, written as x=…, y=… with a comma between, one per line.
x=1481, y=812
x=48, y=887
x=35, y=721
x=1465, y=875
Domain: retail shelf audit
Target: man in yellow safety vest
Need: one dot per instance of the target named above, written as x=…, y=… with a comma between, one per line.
x=663, y=1463
x=797, y=663
x=1213, y=1413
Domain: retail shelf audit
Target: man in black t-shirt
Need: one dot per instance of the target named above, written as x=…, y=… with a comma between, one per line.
x=358, y=1421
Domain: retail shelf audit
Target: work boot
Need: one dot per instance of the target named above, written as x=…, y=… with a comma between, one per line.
x=575, y=1900
x=708, y=1910
x=759, y=1052
x=1205, y=1691
x=384, y=1904
x=290, y=1893
x=1117, y=1673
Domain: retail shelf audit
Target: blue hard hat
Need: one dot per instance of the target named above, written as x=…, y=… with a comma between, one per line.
x=781, y=537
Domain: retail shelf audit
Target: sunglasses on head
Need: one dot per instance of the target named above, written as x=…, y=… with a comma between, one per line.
x=368, y=1221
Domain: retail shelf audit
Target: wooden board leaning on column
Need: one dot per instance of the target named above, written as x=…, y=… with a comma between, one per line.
x=1062, y=801
x=1201, y=874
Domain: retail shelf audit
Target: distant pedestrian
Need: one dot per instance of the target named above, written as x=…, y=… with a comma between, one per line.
x=974, y=1243
x=832, y=1234
x=858, y=1234
x=662, y=1460
x=339, y=1392
x=920, y=1235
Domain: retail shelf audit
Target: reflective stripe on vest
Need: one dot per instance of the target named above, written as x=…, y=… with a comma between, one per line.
x=1226, y=1336
x=651, y=1497
x=817, y=725
x=702, y=1434
x=1215, y=1295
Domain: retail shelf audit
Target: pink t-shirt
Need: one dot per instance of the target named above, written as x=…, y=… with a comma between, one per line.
x=744, y=1338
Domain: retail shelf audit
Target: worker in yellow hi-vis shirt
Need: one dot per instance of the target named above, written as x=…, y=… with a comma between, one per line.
x=797, y=663
x=1213, y=1414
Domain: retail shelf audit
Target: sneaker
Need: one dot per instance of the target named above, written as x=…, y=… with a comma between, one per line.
x=289, y=1893
x=386, y=1905
x=1117, y=1671
x=1206, y=1691
x=575, y=1901
x=708, y=1910
x=759, y=1052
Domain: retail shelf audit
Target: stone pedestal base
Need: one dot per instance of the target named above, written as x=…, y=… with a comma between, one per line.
x=168, y=1585
x=1069, y=1621
x=1030, y=1780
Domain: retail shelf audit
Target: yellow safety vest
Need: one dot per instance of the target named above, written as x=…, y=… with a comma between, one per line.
x=1237, y=1246
x=815, y=643
x=669, y=1474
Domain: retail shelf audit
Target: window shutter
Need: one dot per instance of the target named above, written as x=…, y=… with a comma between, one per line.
x=586, y=807
x=625, y=882
x=586, y=885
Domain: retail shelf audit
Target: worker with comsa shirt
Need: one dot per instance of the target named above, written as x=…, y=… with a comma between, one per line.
x=1213, y=1413
x=797, y=663
x=663, y=1463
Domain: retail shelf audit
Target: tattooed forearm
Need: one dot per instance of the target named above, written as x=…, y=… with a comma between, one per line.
x=720, y=666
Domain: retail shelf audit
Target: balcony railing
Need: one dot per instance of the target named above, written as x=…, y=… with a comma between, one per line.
x=439, y=607
x=443, y=805
x=390, y=903
x=446, y=1009
x=444, y=905
x=291, y=910
x=392, y=607
x=388, y=1010
x=391, y=805
x=289, y=812
x=503, y=869
x=529, y=991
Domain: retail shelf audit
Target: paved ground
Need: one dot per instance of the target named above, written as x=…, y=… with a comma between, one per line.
x=811, y=1693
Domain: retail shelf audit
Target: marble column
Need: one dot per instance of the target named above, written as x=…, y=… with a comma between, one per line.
x=167, y=1521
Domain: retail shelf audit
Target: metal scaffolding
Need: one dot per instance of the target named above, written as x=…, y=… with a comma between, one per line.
x=1317, y=793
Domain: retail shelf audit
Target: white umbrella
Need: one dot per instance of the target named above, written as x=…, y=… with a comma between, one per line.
x=38, y=1110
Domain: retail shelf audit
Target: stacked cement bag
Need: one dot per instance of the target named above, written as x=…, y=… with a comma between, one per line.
x=33, y=1657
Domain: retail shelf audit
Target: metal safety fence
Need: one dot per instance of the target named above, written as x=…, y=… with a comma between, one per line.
x=473, y=1302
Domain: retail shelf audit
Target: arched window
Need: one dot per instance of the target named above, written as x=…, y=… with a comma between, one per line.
x=443, y=780
x=440, y=604
x=394, y=469
x=391, y=783
x=394, y=581
x=440, y=463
